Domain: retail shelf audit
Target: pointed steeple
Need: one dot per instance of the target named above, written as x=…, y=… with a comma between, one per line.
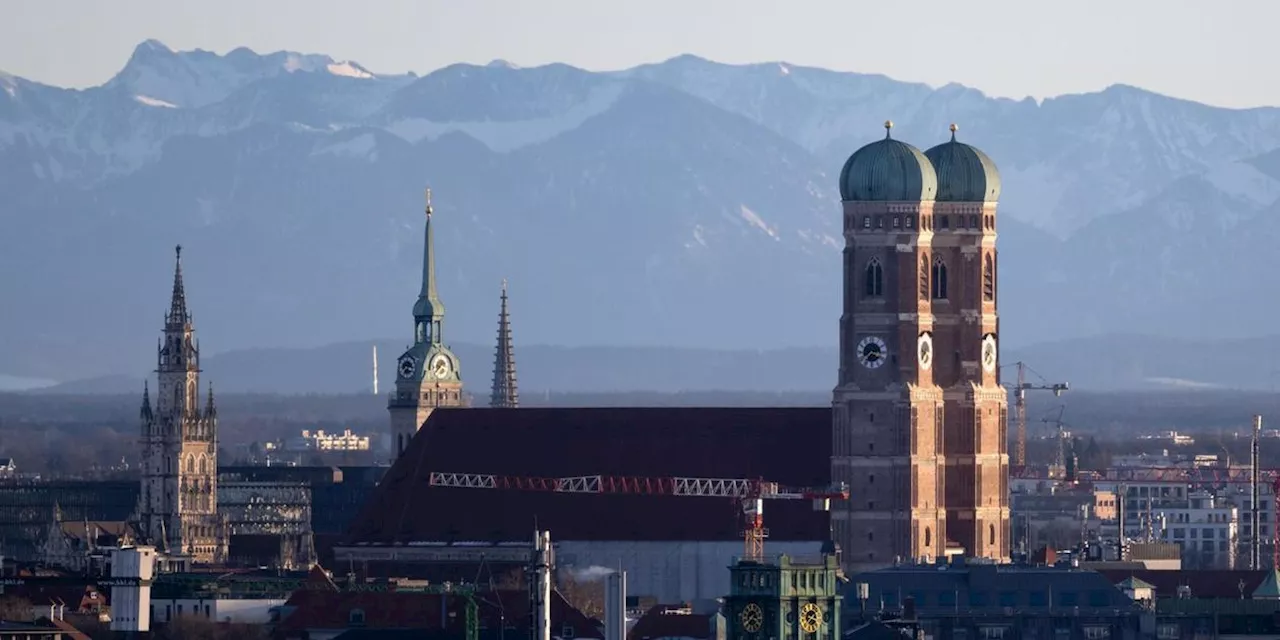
x=429, y=305
x=147, y=414
x=210, y=410
x=178, y=303
x=504, y=394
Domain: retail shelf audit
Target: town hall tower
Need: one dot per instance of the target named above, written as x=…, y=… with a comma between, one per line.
x=178, y=502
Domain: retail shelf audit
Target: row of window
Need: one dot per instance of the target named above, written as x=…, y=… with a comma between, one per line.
x=933, y=279
x=962, y=223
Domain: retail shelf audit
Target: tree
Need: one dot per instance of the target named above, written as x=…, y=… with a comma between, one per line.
x=586, y=596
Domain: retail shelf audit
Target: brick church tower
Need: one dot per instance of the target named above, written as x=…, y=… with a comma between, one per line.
x=966, y=327
x=887, y=411
x=919, y=416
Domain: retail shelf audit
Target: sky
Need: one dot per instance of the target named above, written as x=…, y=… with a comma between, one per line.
x=1203, y=51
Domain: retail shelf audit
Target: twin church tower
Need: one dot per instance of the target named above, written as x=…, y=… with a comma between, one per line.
x=919, y=416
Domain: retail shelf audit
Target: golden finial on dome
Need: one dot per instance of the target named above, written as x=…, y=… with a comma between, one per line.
x=428, y=202
x=888, y=124
x=954, y=128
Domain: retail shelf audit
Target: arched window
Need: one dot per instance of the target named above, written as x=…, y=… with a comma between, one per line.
x=203, y=465
x=991, y=534
x=873, y=287
x=191, y=464
x=988, y=279
x=924, y=276
x=939, y=279
x=928, y=537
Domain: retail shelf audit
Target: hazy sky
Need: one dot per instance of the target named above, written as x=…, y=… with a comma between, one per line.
x=1207, y=51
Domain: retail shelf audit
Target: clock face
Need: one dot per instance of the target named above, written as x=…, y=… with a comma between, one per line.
x=989, y=353
x=407, y=367
x=872, y=352
x=440, y=366
x=752, y=618
x=810, y=617
x=924, y=350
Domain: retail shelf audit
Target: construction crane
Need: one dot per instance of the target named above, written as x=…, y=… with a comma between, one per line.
x=751, y=493
x=1064, y=448
x=1020, y=407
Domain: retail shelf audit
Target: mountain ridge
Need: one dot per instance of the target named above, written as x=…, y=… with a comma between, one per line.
x=685, y=202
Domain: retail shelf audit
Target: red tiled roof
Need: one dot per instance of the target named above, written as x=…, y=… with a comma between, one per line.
x=325, y=609
x=787, y=445
x=1204, y=583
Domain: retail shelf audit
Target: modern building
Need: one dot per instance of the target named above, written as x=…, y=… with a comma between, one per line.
x=919, y=414
x=428, y=374
x=967, y=600
x=178, y=505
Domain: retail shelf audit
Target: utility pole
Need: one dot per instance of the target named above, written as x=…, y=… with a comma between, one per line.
x=1254, y=487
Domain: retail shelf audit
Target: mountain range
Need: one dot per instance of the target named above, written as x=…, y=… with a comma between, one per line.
x=684, y=204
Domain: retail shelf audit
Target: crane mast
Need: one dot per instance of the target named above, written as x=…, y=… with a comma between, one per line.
x=1020, y=409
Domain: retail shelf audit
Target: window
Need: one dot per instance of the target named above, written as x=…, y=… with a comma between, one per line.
x=910, y=221
x=1096, y=632
x=873, y=287
x=991, y=534
x=355, y=617
x=879, y=222
x=924, y=276
x=928, y=537
x=871, y=536
x=945, y=222
x=939, y=279
x=897, y=222
x=988, y=279
x=567, y=631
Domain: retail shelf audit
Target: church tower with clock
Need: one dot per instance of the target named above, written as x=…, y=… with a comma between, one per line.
x=887, y=412
x=789, y=600
x=427, y=374
x=963, y=292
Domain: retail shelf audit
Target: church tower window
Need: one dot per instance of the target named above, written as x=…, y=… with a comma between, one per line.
x=874, y=282
x=988, y=279
x=924, y=276
x=939, y=279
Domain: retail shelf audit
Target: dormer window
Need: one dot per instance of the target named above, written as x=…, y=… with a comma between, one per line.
x=356, y=617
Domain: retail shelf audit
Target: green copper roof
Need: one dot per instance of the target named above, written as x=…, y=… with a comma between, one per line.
x=888, y=171
x=965, y=173
x=429, y=304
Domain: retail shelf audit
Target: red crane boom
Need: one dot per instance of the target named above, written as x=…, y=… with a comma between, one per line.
x=752, y=493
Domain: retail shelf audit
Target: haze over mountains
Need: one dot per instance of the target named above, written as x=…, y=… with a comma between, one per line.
x=685, y=203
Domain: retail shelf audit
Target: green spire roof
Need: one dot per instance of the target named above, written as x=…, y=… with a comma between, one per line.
x=429, y=304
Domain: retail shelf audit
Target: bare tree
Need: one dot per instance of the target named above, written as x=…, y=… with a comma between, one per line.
x=585, y=596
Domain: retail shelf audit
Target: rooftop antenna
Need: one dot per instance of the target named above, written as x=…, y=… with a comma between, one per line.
x=375, y=369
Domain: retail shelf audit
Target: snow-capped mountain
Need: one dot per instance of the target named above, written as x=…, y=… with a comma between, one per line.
x=681, y=203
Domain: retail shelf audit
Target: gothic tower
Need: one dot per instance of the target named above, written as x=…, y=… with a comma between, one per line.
x=503, y=394
x=178, y=507
x=427, y=375
x=887, y=411
x=966, y=330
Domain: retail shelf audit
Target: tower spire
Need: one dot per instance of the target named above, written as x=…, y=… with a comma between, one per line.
x=147, y=414
x=504, y=394
x=178, y=303
x=429, y=307
x=210, y=410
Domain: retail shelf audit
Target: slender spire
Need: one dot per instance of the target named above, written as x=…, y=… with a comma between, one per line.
x=210, y=410
x=178, y=304
x=504, y=394
x=429, y=304
x=147, y=414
